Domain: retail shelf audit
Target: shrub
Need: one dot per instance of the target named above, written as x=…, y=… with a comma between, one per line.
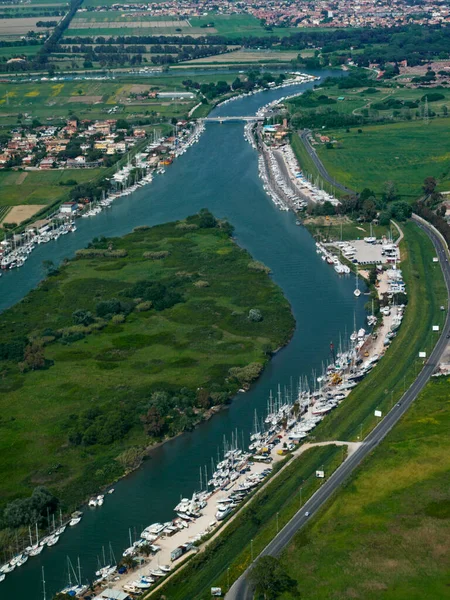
x=157, y=255
x=186, y=226
x=256, y=265
x=246, y=374
x=118, y=319
x=255, y=315
x=143, y=306
x=82, y=317
x=107, y=308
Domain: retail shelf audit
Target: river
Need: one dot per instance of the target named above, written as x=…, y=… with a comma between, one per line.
x=220, y=172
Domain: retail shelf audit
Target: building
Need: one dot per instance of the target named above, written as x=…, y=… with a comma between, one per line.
x=68, y=208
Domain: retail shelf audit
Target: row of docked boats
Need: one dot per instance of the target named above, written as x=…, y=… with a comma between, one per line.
x=14, y=252
x=37, y=545
x=332, y=259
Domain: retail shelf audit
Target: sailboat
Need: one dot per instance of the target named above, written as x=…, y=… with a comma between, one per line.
x=357, y=291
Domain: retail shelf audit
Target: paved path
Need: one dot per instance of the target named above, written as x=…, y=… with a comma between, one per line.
x=304, y=137
x=241, y=589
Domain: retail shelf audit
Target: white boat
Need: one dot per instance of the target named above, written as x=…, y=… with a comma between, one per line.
x=53, y=540
x=357, y=291
x=166, y=568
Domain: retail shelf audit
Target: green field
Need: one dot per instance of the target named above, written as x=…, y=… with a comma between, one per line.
x=225, y=558
x=387, y=533
x=400, y=365
x=185, y=344
x=50, y=101
x=39, y=187
x=231, y=26
x=405, y=153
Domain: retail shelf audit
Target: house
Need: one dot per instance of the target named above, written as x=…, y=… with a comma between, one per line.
x=47, y=163
x=68, y=208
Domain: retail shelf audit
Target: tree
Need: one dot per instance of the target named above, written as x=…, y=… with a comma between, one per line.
x=34, y=357
x=401, y=211
x=207, y=219
x=390, y=191
x=429, y=185
x=271, y=579
x=154, y=423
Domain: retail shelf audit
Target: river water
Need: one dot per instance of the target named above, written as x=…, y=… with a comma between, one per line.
x=220, y=172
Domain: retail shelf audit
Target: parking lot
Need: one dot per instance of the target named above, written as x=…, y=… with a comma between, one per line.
x=365, y=253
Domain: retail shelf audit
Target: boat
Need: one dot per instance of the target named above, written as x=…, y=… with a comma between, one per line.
x=53, y=540
x=166, y=568
x=357, y=291
x=2, y=577
x=76, y=518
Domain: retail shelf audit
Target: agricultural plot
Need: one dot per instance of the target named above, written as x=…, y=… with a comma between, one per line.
x=14, y=28
x=245, y=57
x=37, y=188
x=404, y=152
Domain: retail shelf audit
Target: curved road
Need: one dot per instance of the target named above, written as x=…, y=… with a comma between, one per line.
x=241, y=589
x=304, y=136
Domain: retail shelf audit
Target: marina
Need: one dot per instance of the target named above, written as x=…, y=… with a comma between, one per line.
x=173, y=468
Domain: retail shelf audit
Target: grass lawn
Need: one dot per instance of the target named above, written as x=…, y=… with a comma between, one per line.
x=307, y=164
x=342, y=228
x=404, y=152
x=225, y=559
x=387, y=533
x=180, y=349
x=39, y=187
x=398, y=368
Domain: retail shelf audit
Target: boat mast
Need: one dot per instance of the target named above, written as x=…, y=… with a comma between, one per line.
x=44, y=593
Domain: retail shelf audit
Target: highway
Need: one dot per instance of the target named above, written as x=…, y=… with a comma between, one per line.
x=304, y=136
x=241, y=589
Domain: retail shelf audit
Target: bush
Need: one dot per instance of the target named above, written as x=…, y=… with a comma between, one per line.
x=107, y=308
x=143, y=306
x=28, y=511
x=246, y=375
x=157, y=255
x=255, y=315
x=256, y=265
x=82, y=317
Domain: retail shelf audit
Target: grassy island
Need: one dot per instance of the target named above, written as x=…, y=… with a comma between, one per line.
x=136, y=339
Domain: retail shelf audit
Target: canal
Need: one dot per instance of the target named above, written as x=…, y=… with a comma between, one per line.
x=220, y=173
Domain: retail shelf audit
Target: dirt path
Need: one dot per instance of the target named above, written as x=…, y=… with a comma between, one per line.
x=21, y=178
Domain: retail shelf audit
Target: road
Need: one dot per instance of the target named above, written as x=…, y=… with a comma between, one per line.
x=241, y=589
x=304, y=136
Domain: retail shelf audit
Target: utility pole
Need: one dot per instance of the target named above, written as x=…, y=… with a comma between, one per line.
x=277, y=523
x=251, y=548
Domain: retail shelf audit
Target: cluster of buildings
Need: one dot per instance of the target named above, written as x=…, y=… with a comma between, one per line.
x=78, y=144
x=286, y=13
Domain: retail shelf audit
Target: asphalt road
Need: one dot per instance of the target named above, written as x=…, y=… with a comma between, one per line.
x=304, y=136
x=241, y=589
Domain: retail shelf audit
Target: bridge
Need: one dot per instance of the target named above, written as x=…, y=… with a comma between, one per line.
x=236, y=118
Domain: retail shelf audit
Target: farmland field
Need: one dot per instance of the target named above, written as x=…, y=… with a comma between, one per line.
x=14, y=28
x=243, y=57
x=39, y=187
x=404, y=153
x=113, y=23
x=387, y=533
